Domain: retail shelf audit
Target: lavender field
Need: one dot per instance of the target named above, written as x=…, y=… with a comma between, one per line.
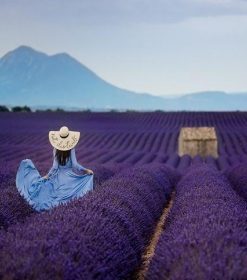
x=139, y=178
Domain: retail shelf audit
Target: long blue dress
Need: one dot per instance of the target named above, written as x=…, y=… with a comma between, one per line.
x=62, y=185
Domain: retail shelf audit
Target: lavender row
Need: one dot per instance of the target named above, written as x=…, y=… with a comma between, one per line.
x=238, y=178
x=205, y=233
x=101, y=236
x=150, y=120
x=14, y=208
x=134, y=138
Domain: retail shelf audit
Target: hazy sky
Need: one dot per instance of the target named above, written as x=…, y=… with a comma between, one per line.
x=161, y=47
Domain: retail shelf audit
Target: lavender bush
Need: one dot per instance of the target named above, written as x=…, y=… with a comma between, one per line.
x=100, y=236
x=205, y=234
x=14, y=208
x=238, y=178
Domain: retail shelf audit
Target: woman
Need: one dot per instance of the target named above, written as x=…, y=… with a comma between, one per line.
x=62, y=183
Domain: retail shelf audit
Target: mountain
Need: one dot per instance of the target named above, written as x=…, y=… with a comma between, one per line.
x=34, y=78
x=29, y=77
x=207, y=101
x=211, y=101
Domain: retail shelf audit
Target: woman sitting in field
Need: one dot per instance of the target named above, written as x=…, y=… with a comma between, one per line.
x=61, y=184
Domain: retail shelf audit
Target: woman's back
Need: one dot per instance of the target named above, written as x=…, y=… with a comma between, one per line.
x=70, y=163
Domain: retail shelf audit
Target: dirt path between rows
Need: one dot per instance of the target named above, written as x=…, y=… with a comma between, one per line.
x=149, y=252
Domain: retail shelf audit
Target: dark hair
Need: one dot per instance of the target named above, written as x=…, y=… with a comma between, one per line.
x=62, y=156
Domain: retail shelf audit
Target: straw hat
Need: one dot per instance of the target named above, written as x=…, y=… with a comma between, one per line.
x=64, y=139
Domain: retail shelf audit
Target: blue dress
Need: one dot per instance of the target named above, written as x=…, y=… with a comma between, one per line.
x=62, y=185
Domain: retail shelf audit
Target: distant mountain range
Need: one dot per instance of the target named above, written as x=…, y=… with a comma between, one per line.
x=29, y=77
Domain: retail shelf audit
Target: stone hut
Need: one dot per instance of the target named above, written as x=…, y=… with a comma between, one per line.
x=198, y=141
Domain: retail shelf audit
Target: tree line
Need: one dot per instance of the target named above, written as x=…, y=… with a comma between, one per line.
x=4, y=108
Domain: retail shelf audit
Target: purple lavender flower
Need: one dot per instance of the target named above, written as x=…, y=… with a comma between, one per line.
x=238, y=178
x=100, y=236
x=205, y=233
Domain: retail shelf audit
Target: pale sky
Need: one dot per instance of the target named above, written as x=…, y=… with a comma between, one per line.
x=164, y=47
